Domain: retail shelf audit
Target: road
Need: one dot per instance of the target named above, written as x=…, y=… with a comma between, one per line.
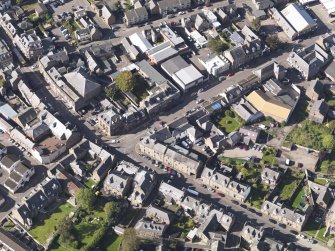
x=125, y=150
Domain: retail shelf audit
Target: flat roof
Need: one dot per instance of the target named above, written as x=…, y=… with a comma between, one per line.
x=188, y=74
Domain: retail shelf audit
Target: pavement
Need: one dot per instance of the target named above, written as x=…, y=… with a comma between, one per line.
x=125, y=149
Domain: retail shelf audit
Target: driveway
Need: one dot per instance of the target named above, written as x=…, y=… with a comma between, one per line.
x=241, y=153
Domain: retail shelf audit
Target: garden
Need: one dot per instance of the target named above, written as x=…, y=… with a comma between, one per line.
x=183, y=226
x=312, y=135
x=289, y=183
x=269, y=156
x=47, y=227
x=228, y=121
x=299, y=201
x=251, y=174
x=89, y=225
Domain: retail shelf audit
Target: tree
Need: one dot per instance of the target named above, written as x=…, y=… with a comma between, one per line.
x=130, y=240
x=217, y=46
x=110, y=92
x=125, y=81
x=18, y=1
x=66, y=232
x=116, y=5
x=256, y=24
x=328, y=142
x=86, y=198
x=112, y=210
x=273, y=42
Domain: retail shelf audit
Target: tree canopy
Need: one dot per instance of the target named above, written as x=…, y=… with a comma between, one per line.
x=86, y=198
x=328, y=142
x=273, y=42
x=67, y=233
x=130, y=240
x=217, y=45
x=113, y=210
x=125, y=81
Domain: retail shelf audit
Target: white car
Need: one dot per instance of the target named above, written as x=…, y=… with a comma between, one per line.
x=302, y=236
x=115, y=141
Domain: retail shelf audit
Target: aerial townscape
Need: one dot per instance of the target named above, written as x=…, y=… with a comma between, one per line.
x=157, y=125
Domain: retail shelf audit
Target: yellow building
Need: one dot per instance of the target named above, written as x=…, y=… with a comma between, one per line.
x=274, y=108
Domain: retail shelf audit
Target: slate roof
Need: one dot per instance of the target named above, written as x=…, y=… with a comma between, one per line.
x=79, y=81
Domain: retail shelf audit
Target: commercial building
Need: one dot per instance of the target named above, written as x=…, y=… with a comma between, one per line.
x=277, y=101
x=329, y=5
x=184, y=75
x=294, y=20
x=161, y=53
x=215, y=64
x=140, y=42
x=309, y=60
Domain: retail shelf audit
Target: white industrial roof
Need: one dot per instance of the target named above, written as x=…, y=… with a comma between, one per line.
x=188, y=74
x=298, y=17
x=305, y=2
x=140, y=42
x=329, y=5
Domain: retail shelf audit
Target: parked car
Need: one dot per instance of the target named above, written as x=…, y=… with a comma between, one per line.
x=312, y=241
x=282, y=225
x=115, y=141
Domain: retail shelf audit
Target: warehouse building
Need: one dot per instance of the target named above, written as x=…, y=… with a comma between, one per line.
x=294, y=21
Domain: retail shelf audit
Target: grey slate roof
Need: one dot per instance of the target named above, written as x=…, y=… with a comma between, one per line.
x=79, y=81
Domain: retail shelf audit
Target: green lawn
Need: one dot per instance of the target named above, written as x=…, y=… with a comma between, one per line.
x=111, y=242
x=326, y=165
x=310, y=135
x=269, y=156
x=184, y=225
x=299, y=199
x=237, y=163
x=331, y=102
x=228, y=123
x=321, y=181
x=289, y=184
x=90, y=183
x=320, y=234
x=43, y=231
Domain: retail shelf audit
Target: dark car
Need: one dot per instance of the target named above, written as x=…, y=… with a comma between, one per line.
x=273, y=221
x=282, y=225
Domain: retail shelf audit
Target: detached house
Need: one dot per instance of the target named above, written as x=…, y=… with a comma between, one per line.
x=117, y=184
x=143, y=184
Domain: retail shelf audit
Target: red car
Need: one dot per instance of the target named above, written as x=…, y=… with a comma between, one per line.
x=230, y=74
